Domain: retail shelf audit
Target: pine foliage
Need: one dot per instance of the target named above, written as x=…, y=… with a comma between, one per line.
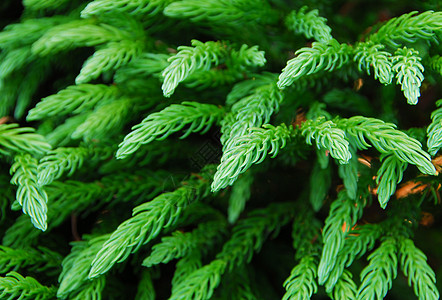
x=408, y=73
x=158, y=126
x=30, y=196
x=15, y=139
x=421, y=276
x=309, y=178
x=310, y=24
x=15, y=286
x=377, y=277
x=322, y=56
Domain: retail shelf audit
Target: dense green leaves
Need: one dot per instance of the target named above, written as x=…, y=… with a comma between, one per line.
x=94, y=96
x=162, y=213
x=247, y=236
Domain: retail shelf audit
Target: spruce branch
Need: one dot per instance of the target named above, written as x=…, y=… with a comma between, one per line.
x=188, y=60
x=248, y=150
x=245, y=57
x=201, y=57
x=99, y=123
x=386, y=139
x=158, y=126
x=109, y=57
x=56, y=162
x=74, y=34
x=247, y=87
x=74, y=99
x=224, y=12
x=434, y=63
x=125, y=57
x=136, y=8
x=248, y=236
x=408, y=73
x=147, y=222
x=40, y=259
x=90, y=290
x=15, y=139
x=181, y=244
x=73, y=278
x=310, y=24
x=322, y=56
x=74, y=196
x=369, y=55
x=409, y=28
x=186, y=266
x=377, y=277
x=46, y=4
x=345, y=287
x=62, y=134
x=15, y=60
x=35, y=74
x=328, y=136
x=301, y=284
x=201, y=283
x=27, y=32
x=31, y=197
x=343, y=215
x=389, y=175
x=358, y=242
x=21, y=234
x=253, y=110
x=144, y=65
x=15, y=286
x=306, y=234
x=415, y=267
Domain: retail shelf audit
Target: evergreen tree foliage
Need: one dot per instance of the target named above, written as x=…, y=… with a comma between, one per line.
x=220, y=149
